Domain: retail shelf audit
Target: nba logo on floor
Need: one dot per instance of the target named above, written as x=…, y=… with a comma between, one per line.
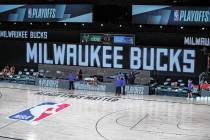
x=39, y=112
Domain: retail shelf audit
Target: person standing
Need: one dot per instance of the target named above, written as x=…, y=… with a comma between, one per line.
x=123, y=85
x=190, y=88
x=80, y=75
x=71, y=79
x=118, y=84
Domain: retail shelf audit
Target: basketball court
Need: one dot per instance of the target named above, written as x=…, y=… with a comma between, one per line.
x=101, y=116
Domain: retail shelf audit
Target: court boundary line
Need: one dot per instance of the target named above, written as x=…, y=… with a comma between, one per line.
x=101, y=118
x=158, y=132
x=8, y=124
x=145, y=116
x=11, y=138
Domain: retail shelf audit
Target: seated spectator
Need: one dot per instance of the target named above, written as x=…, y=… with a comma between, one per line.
x=205, y=85
x=95, y=81
x=5, y=72
x=12, y=70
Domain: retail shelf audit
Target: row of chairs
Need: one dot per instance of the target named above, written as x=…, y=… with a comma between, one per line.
x=27, y=76
x=169, y=82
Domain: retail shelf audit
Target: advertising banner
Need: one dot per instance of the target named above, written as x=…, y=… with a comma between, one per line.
x=47, y=13
x=170, y=15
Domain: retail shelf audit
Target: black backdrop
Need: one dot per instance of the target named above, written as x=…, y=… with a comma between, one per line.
x=14, y=53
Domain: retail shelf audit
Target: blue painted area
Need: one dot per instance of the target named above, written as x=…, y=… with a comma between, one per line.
x=26, y=115
x=13, y=17
x=4, y=8
x=60, y=10
x=139, y=9
x=83, y=18
x=21, y=14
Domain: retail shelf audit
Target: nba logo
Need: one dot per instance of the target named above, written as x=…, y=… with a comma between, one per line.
x=39, y=112
x=30, y=13
x=176, y=15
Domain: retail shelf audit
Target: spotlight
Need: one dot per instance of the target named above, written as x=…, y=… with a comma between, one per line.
x=140, y=26
x=120, y=25
x=102, y=24
x=181, y=27
x=161, y=27
x=64, y=24
x=203, y=28
x=31, y=23
x=14, y=23
x=83, y=24
x=47, y=23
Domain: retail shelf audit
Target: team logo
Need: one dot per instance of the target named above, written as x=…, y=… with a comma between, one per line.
x=176, y=15
x=39, y=112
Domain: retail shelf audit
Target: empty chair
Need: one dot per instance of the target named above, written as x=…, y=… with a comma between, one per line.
x=41, y=70
x=168, y=80
x=58, y=72
x=182, y=84
x=31, y=71
x=41, y=73
x=166, y=83
x=20, y=73
x=180, y=80
x=25, y=69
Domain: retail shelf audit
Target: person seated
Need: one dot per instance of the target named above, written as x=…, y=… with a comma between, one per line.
x=5, y=72
x=175, y=85
x=205, y=85
x=12, y=70
x=95, y=81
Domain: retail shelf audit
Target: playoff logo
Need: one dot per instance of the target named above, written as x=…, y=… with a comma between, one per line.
x=176, y=15
x=29, y=12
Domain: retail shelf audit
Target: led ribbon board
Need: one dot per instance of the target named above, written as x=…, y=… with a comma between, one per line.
x=170, y=15
x=47, y=13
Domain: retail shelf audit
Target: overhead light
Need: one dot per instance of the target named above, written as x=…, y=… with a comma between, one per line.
x=83, y=24
x=203, y=28
x=120, y=25
x=47, y=23
x=140, y=26
x=14, y=23
x=161, y=27
x=102, y=24
x=31, y=23
x=64, y=24
x=181, y=27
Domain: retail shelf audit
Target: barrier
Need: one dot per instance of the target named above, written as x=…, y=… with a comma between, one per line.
x=102, y=87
